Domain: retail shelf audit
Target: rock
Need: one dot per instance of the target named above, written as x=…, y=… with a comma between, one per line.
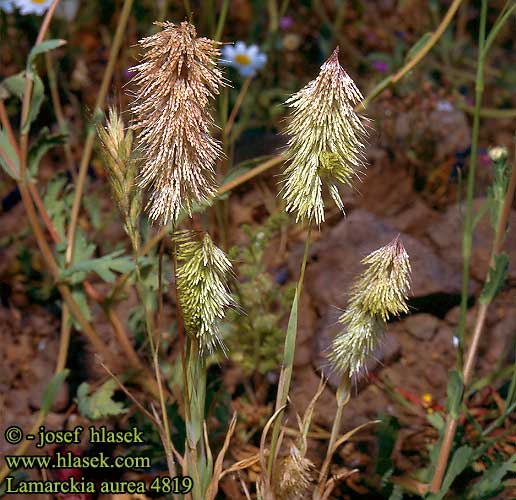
x=387, y=190
x=450, y=129
x=444, y=129
x=414, y=218
x=422, y=326
x=435, y=375
x=446, y=234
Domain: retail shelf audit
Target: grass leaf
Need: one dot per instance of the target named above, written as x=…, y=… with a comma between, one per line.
x=52, y=390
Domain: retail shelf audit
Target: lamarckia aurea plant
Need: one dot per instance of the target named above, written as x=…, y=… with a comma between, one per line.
x=378, y=294
x=327, y=141
x=176, y=80
x=204, y=296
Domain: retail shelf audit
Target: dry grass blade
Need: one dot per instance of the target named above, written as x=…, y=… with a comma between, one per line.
x=263, y=460
x=213, y=487
x=411, y=485
x=209, y=454
x=245, y=489
x=307, y=418
x=241, y=465
x=326, y=465
x=330, y=485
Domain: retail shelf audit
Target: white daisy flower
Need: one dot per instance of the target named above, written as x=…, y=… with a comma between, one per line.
x=7, y=6
x=37, y=7
x=247, y=60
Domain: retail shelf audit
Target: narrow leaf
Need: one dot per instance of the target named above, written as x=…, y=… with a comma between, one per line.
x=41, y=48
x=52, y=390
x=418, y=46
x=16, y=86
x=460, y=460
x=495, y=279
x=454, y=394
x=491, y=482
x=80, y=297
x=8, y=157
x=35, y=102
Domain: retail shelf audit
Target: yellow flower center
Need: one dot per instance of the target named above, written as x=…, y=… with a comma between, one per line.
x=243, y=59
x=38, y=1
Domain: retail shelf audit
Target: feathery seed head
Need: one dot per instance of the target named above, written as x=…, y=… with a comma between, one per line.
x=326, y=145
x=117, y=154
x=294, y=476
x=176, y=78
x=351, y=348
x=379, y=293
x=204, y=295
x=382, y=289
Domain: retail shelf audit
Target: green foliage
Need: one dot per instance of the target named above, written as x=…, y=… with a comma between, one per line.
x=15, y=85
x=454, y=394
x=397, y=493
x=498, y=189
x=100, y=404
x=255, y=338
x=460, y=460
x=104, y=266
x=495, y=279
x=52, y=390
x=387, y=432
x=43, y=143
x=41, y=48
x=412, y=52
x=490, y=483
x=58, y=202
x=12, y=157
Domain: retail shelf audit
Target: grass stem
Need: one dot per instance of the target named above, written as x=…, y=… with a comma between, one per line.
x=288, y=356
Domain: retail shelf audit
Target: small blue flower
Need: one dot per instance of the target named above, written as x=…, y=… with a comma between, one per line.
x=247, y=60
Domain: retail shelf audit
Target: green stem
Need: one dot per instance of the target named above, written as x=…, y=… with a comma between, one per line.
x=288, y=356
x=451, y=423
x=468, y=218
x=221, y=21
x=341, y=396
x=196, y=456
x=272, y=7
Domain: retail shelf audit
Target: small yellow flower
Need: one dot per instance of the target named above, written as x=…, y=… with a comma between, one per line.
x=427, y=400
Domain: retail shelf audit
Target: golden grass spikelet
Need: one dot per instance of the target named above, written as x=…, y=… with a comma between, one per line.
x=326, y=145
x=293, y=478
x=116, y=145
x=176, y=79
x=204, y=296
x=382, y=289
x=379, y=293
